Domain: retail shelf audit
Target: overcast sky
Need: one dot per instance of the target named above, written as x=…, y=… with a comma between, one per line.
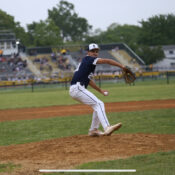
x=99, y=13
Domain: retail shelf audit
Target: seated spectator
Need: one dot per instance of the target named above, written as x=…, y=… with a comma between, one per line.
x=2, y=59
x=53, y=57
x=63, y=51
x=1, y=53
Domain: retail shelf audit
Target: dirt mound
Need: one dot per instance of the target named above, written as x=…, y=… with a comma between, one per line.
x=33, y=113
x=68, y=152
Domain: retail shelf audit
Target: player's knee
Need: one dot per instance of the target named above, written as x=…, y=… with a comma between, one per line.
x=100, y=103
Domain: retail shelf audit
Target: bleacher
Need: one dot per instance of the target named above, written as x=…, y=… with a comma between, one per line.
x=104, y=67
x=124, y=58
x=119, y=55
x=77, y=56
x=50, y=65
x=11, y=67
x=42, y=63
x=77, y=52
x=57, y=64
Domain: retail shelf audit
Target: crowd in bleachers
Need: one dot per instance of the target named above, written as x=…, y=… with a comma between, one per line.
x=61, y=59
x=12, y=63
x=63, y=63
x=43, y=63
x=54, y=60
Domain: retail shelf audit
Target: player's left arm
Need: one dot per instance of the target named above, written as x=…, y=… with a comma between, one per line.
x=94, y=86
x=109, y=61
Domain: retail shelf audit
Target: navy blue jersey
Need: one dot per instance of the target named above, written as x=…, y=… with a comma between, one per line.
x=85, y=71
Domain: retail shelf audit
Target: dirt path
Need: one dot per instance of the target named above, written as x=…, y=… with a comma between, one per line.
x=68, y=152
x=32, y=113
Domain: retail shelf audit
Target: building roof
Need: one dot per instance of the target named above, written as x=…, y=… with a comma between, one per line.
x=168, y=47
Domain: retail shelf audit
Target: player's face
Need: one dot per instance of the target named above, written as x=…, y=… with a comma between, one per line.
x=93, y=53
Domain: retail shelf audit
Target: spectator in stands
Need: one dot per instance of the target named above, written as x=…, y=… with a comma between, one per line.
x=41, y=67
x=2, y=59
x=81, y=50
x=150, y=67
x=116, y=48
x=3, y=69
x=53, y=57
x=50, y=68
x=1, y=53
x=58, y=54
x=63, y=51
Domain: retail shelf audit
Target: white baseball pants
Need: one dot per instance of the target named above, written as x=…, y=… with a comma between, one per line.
x=81, y=94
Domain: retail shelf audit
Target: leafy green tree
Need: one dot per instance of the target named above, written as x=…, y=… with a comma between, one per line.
x=150, y=55
x=44, y=33
x=7, y=22
x=129, y=34
x=117, y=33
x=158, y=30
x=72, y=27
x=124, y=33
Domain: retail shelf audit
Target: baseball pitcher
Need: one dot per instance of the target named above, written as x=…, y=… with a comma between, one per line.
x=78, y=90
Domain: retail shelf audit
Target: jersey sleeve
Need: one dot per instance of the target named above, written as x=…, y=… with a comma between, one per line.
x=95, y=61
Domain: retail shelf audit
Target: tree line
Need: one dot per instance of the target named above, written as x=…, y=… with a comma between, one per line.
x=64, y=26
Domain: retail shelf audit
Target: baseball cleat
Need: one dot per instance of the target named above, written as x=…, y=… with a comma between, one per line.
x=110, y=129
x=95, y=133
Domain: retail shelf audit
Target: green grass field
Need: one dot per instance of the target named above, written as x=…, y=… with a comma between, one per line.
x=153, y=164
x=121, y=92
x=151, y=121
x=23, y=131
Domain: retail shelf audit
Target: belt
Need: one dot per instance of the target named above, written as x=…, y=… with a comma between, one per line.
x=80, y=83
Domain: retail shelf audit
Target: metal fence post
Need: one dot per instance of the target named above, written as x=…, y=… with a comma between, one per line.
x=32, y=86
x=99, y=81
x=167, y=77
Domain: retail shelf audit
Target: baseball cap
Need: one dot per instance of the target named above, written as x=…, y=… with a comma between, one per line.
x=93, y=46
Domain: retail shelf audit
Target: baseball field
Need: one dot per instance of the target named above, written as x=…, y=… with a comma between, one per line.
x=46, y=129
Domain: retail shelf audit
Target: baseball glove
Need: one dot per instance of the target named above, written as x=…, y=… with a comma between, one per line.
x=128, y=75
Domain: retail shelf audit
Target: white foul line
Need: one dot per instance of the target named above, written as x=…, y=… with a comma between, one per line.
x=88, y=170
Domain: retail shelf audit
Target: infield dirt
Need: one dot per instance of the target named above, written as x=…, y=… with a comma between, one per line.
x=79, y=109
x=71, y=151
